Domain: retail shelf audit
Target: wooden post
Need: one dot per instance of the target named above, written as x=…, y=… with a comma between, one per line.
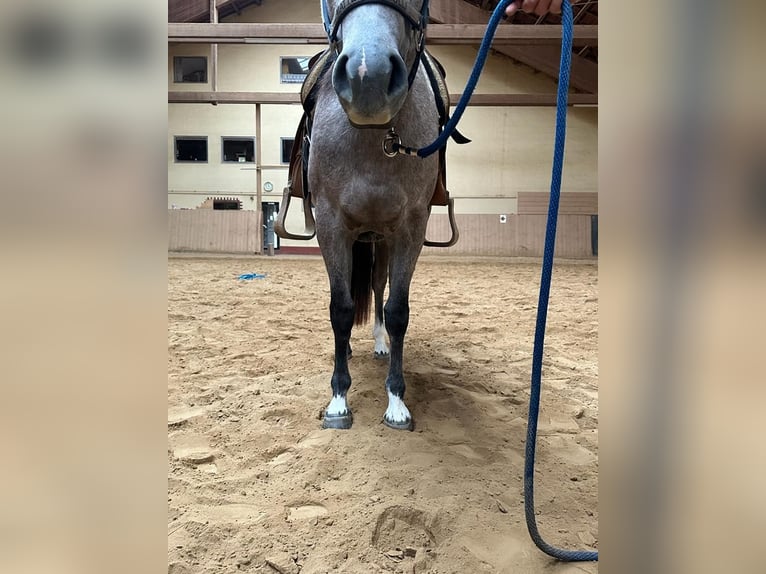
x=213, y=50
x=259, y=176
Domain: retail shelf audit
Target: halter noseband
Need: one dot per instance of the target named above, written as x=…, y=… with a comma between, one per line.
x=418, y=19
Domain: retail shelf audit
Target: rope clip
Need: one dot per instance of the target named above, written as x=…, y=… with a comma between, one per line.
x=391, y=143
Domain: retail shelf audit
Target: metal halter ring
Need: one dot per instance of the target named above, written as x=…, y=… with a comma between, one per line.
x=391, y=143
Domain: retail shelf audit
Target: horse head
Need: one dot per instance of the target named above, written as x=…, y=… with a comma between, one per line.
x=378, y=45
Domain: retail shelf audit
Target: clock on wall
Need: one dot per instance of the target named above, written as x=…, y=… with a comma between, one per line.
x=268, y=186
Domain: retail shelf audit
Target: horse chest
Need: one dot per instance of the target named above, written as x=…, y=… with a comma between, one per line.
x=377, y=208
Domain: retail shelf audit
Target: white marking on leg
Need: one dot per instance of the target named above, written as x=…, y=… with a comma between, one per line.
x=379, y=333
x=397, y=411
x=362, y=70
x=337, y=406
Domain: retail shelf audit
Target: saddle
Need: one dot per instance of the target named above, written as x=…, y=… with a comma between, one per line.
x=297, y=184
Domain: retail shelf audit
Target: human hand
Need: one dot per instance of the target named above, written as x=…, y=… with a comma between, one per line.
x=539, y=7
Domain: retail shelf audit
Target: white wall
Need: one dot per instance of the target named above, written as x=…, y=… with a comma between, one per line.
x=514, y=145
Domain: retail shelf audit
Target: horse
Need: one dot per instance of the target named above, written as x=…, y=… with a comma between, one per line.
x=372, y=209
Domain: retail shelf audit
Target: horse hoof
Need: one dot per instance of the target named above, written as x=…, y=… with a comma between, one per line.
x=381, y=356
x=342, y=422
x=408, y=425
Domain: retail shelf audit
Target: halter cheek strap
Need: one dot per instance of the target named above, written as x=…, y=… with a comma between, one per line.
x=325, y=18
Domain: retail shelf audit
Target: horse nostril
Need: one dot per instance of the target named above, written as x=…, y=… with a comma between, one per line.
x=340, y=77
x=341, y=63
x=398, y=80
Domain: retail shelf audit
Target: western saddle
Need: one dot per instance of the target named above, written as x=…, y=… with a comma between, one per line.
x=297, y=185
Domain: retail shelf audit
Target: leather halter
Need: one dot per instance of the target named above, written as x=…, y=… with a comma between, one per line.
x=417, y=19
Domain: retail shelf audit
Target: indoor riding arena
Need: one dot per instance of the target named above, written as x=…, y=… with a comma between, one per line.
x=256, y=484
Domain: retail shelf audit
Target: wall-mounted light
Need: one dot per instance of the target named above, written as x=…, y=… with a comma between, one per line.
x=268, y=186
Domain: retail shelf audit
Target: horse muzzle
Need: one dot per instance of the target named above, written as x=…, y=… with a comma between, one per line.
x=371, y=85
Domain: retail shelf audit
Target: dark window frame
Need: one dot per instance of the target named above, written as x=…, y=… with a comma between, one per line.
x=249, y=139
x=178, y=77
x=293, y=77
x=282, y=150
x=176, y=139
x=227, y=204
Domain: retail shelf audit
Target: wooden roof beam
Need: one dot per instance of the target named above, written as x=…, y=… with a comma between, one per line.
x=448, y=33
x=495, y=100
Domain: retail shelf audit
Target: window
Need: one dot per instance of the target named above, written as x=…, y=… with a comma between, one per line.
x=287, y=146
x=227, y=203
x=239, y=150
x=294, y=69
x=189, y=69
x=191, y=148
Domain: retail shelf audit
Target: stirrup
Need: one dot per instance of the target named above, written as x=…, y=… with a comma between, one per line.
x=308, y=215
x=453, y=229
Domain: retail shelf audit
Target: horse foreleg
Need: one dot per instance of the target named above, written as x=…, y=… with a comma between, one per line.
x=397, y=315
x=338, y=414
x=338, y=262
x=379, y=278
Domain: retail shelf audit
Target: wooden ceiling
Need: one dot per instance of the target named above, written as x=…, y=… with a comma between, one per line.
x=545, y=59
x=199, y=10
x=584, y=11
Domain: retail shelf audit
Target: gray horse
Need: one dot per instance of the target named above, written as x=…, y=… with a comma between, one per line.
x=372, y=210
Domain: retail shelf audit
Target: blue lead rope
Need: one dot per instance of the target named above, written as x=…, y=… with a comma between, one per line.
x=550, y=241
x=470, y=86
x=392, y=147
x=542, y=306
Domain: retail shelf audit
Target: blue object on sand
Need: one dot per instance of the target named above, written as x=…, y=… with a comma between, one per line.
x=250, y=276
